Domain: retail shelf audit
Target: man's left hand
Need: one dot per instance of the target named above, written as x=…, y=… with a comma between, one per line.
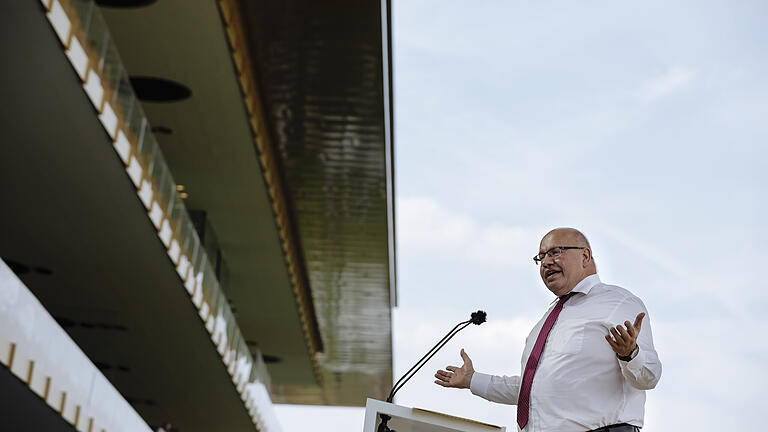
x=624, y=339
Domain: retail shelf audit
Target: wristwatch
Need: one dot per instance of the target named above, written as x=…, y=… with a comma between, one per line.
x=631, y=355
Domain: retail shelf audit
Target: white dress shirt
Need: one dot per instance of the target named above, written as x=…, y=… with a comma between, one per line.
x=579, y=383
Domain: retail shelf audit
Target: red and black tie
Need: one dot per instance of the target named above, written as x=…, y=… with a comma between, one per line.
x=524, y=400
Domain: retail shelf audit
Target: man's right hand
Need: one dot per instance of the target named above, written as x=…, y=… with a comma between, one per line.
x=456, y=377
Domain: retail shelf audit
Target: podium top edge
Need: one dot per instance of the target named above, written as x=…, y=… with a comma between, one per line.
x=479, y=423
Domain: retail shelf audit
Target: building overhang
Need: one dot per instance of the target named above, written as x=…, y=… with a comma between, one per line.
x=324, y=75
x=293, y=162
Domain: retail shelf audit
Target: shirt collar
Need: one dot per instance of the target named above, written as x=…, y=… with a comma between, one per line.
x=586, y=284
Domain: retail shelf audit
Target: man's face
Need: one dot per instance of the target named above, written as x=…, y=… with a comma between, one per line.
x=561, y=274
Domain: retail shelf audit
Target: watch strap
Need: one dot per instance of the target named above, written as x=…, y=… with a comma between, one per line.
x=631, y=355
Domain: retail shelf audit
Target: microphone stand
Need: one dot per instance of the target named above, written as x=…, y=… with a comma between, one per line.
x=477, y=318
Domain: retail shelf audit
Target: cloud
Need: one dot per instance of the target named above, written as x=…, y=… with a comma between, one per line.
x=666, y=84
x=688, y=278
x=426, y=228
x=713, y=375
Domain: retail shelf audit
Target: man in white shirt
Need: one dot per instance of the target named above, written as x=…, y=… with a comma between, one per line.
x=581, y=371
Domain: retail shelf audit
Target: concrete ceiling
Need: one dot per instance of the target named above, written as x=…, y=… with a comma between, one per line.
x=211, y=152
x=23, y=410
x=321, y=68
x=327, y=118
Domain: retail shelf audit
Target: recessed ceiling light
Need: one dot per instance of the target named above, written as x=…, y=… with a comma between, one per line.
x=125, y=3
x=162, y=130
x=180, y=187
x=64, y=322
x=184, y=195
x=270, y=358
x=44, y=270
x=151, y=89
x=17, y=267
x=102, y=366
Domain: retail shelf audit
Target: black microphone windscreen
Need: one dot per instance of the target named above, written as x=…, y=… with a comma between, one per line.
x=478, y=317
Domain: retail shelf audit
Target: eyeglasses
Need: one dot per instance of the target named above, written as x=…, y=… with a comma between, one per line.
x=553, y=253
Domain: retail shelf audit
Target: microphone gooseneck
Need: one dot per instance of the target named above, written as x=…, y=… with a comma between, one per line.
x=477, y=318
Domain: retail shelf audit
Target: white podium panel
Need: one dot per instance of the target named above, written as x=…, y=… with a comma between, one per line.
x=405, y=419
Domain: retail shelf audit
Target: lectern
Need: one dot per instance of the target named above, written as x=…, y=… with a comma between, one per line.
x=404, y=419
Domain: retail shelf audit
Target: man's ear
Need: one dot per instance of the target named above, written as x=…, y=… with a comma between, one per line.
x=586, y=257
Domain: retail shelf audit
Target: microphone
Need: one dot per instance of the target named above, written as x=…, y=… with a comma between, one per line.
x=476, y=318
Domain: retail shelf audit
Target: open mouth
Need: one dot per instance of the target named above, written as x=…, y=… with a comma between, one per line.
x=549, y=274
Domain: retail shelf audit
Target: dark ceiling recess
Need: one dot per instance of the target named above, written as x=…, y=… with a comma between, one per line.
x=102, y=366
x=135, y=401
x=17, y=267
x=64, y=322
x=162, y=130
x=44, y=270
x=270, y=358
x=125, y=3
x=20, y=269
x=152, y=89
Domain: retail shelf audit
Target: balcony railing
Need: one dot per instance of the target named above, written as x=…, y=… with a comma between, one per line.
x=42, y=355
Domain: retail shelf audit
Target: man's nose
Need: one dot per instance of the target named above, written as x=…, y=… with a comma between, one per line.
x=547, y=261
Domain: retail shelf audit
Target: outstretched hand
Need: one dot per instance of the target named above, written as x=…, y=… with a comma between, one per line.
x=625, y=339
x=456, y=377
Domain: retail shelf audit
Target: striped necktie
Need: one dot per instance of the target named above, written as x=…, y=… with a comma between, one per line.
x=524, y=400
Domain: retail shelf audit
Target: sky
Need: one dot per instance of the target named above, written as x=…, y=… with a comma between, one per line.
x=643, y=124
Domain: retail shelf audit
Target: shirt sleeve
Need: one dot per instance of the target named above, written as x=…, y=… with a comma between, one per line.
x=644, y=371
x=500, y=389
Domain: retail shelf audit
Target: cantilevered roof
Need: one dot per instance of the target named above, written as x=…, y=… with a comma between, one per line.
x=297, y=181
x=210, y=150
x=325, y=76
